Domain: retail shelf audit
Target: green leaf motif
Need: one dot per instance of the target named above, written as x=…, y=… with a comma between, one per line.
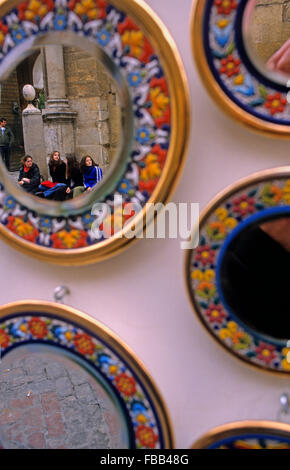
x=263, y=91
x=231, y=49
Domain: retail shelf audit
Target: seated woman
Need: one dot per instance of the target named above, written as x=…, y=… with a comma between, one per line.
x=92, y=174
x=57, y=170
x=74, y=177
x=29, y=176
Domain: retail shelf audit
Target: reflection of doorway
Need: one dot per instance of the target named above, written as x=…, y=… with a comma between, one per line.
x=12, y=103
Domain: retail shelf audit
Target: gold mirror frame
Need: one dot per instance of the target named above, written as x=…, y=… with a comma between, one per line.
x=266, y=192
x=46, y=323
x=228, y=74
x=244, y=435
x=66, y=240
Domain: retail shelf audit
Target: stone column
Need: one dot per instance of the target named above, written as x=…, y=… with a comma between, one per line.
x=57, y=116
x=33, y=136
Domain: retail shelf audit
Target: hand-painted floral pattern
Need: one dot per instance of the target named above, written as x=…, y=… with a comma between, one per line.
x=141, y=413
x=127, y=45
x=236, y=77
x=223, y=220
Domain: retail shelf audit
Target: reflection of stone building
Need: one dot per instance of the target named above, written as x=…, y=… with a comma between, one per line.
x=81, y=114
x=270, y=26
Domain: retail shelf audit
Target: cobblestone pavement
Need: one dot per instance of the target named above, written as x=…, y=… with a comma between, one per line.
x=52, y=405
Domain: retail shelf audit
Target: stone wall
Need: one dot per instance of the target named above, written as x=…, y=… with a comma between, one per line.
x=270, y=26
x=9, y=96
x=92, y=94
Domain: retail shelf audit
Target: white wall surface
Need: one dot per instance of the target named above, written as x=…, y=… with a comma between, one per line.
x=141, y=295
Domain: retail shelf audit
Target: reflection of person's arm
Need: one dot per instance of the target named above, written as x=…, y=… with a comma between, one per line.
x=279, y=230
x=11, y=140
x=280, y=61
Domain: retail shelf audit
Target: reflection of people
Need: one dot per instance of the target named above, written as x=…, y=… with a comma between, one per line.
x=74, y=177
x=29, y=176
x=57, y=168
x=280, y=61
x=255, y=277
x=92, y=174
x=6, y=140
x=57, y=189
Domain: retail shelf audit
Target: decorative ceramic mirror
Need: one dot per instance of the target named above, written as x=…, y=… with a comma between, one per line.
x=238, y=275
x=68, y=382
x=93, y=110
x=246, y=435
x=242, y=51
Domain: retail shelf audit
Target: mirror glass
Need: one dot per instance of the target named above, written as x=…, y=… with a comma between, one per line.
x=255, y=277
x=266, y=32
x=50, y=398
x=63, y=136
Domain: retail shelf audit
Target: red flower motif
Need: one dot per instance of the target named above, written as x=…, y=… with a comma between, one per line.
x=230, y=66
x=266, y=352
x=244, y=205
x=146, y=436
x=158, y=96
x=205, y=255
x=126, y=385
x=224, y=7
x=148, y=185
x=215, y=314
x=130, y=212
x=37, y=327
x=275, y=103
x=4, y=339
x=84, y=344
x=161, y=154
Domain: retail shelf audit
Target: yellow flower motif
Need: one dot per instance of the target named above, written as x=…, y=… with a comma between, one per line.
x=35, y=8
x=141, y=419
x=23, y=328
x=221, y=213
x=206, y=289
x=285, y=363
x=87, y=7
x=113, y=369
x=69, y=336
x=152, y=169
x=69, y=238
x=286, y=192
x=240, y=340
x=231, y=222
x=159, y=102
x=2, y=37
x=197, y=274
x=209, y=275
x=239, y=80
x=222, y=23
x=23, y=229
x=134, y=39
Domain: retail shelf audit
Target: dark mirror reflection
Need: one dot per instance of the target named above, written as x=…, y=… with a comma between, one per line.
x=255, y=276
x=60, y=123
x=266, y=28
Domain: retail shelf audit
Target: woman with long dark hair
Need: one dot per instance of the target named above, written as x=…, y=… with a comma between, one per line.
x=56, y=190
x=92, y=174
x=74, y=177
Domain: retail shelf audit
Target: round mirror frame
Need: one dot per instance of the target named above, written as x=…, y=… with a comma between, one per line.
x=264, y=190
x=153, y=71
x=246, y=435
x=38, y=322
x=228, y=74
